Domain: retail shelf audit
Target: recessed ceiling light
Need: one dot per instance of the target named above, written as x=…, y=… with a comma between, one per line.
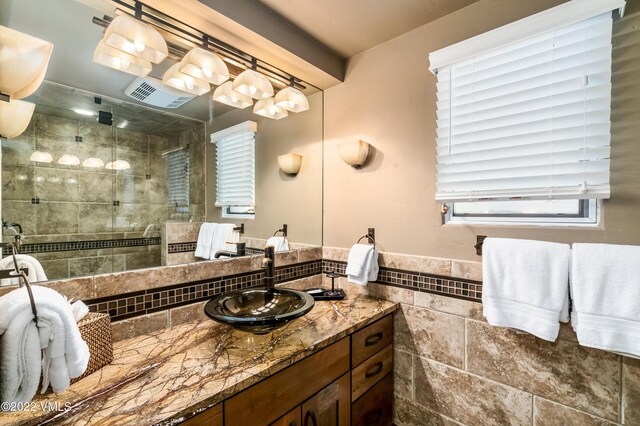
x=82, y=111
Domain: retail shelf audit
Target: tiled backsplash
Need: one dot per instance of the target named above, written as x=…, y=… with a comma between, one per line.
x=83, y=245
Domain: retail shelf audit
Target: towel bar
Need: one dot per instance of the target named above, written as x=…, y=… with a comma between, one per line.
x=239, y=228
x=479, y=243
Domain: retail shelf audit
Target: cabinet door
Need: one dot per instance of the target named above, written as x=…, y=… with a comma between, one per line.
x=292, y=418
x=374, y=408
x=329, y=407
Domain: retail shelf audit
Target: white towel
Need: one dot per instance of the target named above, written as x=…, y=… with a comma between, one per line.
x=525, y=285
x=66, y=355
x=205, y=240
x=79, y=309
x=362, y=264
x=278, y=243
x=224, y=234
x=30, y=263
x=605, y=289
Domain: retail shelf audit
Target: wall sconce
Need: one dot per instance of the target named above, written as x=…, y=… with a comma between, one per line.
x=202, y=64
x=178, y=80
x=290, y=163
x=93, y=163
x=69, y=160
x=120, y=60
x=354, y=153
x=14, y=117
x=41, y=157
x=133, y=36
x=118, y=165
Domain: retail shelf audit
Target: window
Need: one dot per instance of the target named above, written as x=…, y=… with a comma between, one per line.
x=235, y=170
x=177, y=164
x=523, y=117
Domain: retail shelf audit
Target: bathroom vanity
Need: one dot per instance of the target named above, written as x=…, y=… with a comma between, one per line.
x=330, y=367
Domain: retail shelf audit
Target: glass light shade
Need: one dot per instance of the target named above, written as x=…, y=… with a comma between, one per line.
x=69, y=160
x=41, y=157
x=93, y=163
x=204, y=65
x=290, y=163
x=118, y=165
x=136, y=38
x=253, y=84
x=267, y=108
x=121, y=61
x=226, y=95
x=174, y=78
x=15, y=117
x=292, y=100
x=23, y=62
x=354, y=153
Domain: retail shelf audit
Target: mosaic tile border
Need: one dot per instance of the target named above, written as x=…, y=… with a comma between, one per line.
x=418, y=281
x=83, y=245
x=186, y=247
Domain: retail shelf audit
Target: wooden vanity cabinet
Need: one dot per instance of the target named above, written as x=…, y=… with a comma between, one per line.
x=329, y=407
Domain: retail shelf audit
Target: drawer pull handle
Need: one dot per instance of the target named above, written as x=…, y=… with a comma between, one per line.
x=377, y=368
x=373, y=339
x=373, y=417
x=310, y=415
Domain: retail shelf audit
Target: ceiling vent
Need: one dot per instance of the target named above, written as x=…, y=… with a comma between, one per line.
x=151, y=91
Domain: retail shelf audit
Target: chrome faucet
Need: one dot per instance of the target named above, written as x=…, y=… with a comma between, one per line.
x=269, y=266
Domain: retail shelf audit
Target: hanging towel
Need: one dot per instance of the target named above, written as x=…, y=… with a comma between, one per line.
x=224, y=234
x=525, y=285
x=278, y=243
x=66, y=355
x=605, y=289
x=30, y=263
x=362, y=264
x=79, y=309
x=205, y=240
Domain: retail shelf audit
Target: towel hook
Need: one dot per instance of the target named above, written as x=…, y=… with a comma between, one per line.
x=283, y=230
x=370, y=236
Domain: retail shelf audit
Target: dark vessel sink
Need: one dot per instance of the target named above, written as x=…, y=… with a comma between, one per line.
x=259, y=310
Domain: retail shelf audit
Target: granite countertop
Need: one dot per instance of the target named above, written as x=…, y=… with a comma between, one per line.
x=170, y=375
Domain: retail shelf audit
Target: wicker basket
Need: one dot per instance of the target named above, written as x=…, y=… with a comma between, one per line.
x=95, y=329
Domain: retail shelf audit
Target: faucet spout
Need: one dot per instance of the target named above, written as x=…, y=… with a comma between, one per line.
x=269, y=266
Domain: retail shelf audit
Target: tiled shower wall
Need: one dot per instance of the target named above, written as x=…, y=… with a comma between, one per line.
x=111, y=210
x=453, y=368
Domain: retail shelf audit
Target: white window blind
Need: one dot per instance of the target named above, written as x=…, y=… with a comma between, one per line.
x=529, y=118
x=235, y=165
x=177, y=166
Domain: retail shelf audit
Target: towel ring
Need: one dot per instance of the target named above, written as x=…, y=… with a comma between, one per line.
x=283, y=230
x=22, y=280
x=370, y=236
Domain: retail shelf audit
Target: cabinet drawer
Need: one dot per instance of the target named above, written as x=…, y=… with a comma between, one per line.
x=210, y=417
x=271, y=398
x=374, y=408
x=367, y=374
x=292, y=418
x=371, y=339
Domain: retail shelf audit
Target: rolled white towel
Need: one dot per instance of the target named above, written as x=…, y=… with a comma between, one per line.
x=79, y=310
x=30, y=263
x=278, y=243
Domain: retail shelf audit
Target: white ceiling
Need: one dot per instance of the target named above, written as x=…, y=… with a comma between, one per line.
x=353, y=26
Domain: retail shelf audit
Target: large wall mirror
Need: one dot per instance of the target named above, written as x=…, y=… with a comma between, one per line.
x=103, y=182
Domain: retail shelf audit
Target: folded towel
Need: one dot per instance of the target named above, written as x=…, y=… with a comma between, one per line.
x=605, y=289
x=79, y=309
x=224, y=234
x=362, y=264
x=278, y=243
x=33, y=266
x=66, y=355
x=149, y=230
x=525, y=285
x=205, y=240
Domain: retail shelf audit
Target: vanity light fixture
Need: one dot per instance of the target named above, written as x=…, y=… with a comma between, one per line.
x=174, y=78
x=290, y=163
x=23, y=63
x=226, y=95
x=41, y=157
x=267, y=108
x=251, y=83
x=136, y=38
x=204, y=65
x=354, y=153
x=15, y=117
x=69, y=160
x=121, y=61
x=118, y=165
x=292, y=100
x=93, y=163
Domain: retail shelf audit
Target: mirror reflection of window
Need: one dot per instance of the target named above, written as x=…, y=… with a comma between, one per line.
x=177, y=166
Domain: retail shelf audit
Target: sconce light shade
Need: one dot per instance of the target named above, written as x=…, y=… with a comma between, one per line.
x=267, y=108
x=254, y=84
x=136, y=38
x=93, y=163
x=290, y=163
x=14, y=117
x=118, y=165
x=23, y=62
x=68, y=160
x=204, y=65
x=174, y=78
x=226, y=95
x=41, y=157
x=354, y=153
x=121, y=61
x=292, y=100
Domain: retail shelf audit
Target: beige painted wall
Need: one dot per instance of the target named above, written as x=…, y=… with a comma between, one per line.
x=388, y=99
x=296, y=201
